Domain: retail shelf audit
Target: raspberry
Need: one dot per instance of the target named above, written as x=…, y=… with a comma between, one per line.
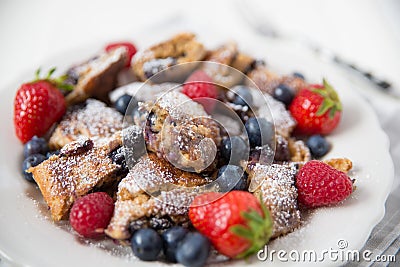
x=319, y=184
x=199, y=86
x=91, y=214
x=131, y=50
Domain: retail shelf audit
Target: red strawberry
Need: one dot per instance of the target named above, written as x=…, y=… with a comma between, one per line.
x=316, y=109
x=37, y=106
x=91, y=214
x=236, y=223
x=199, y=87
x=319, y=184
x=131, y=50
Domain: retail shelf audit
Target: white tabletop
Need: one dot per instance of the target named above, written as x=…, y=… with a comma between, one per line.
x=365, y=32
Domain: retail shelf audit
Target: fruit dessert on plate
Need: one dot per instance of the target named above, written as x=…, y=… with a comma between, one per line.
x=203, y=153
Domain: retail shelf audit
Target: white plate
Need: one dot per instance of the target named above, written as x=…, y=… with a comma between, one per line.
x=29, y=238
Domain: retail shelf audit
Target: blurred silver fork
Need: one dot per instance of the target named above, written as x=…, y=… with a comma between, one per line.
x=263, y=26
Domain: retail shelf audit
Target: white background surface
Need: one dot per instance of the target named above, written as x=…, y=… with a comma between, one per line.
x=366, y=32
x=363, y=32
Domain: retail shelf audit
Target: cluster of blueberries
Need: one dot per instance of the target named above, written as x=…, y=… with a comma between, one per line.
x=36, y=151
x=177, y=244
x=260, y=132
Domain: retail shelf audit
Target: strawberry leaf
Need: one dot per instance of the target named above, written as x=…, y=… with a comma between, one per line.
x=51, y=71
x=59, y=82
x=257, y=230
x=331, y=102
x=37, y=74
x=253, y=216
x=241, y=231
x=326, y=105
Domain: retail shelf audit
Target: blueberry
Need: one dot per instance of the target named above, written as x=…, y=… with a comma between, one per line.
x=193, y=251
x=171, y=239
x=318, y=145
x=146, y=244
x=231, y=177
x=160, y=223
x=138, y=224
x=118, y=156
x=122, y=103
x=299, y=75
x=151, y=121
x=31, y=161
x=35, y=146
x=52, y=153
x=243, y=96
x=239, y=147
x=284, y=94
x=260, y=131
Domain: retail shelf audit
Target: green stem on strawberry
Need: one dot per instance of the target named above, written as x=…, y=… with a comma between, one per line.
x=258, y=232
x=59, y=82
x=331, y=101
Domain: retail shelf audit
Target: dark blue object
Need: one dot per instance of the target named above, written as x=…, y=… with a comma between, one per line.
x=231, y=177
x=31, y=161
x=146, y=244
x=193, y=251
x=299, y=75
x=318, y=146
x=260, y=131
x=122, y=103
x=243, y=96
x=284, y=94
x=234, y=149
x=35, y=146
x=171, y=239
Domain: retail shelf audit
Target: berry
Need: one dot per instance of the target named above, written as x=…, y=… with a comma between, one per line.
x=130, y=48
x=260, y=131
x=123, y=101
x=316, y=109
x=146, y=244
x=234, y=149
x=37, y=106
x=91, y=214
x=117, y=156
x=31, y=161
x=162, y=223
x=243, y=96
x=35, y=146
x=299, y=75
x=319, y=184
x=231, y=177
x=171, y=238
x=318, y=145
x=193, y=251
x=199, y=87
x=138, y=224
x=235, y=222
x=284, y=94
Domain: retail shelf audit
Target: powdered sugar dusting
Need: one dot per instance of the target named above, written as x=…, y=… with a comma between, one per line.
x=143, y=91
x=284, y=122
x=93, y=119
x=276, y=185
x=180, y=106
x=74, y=173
